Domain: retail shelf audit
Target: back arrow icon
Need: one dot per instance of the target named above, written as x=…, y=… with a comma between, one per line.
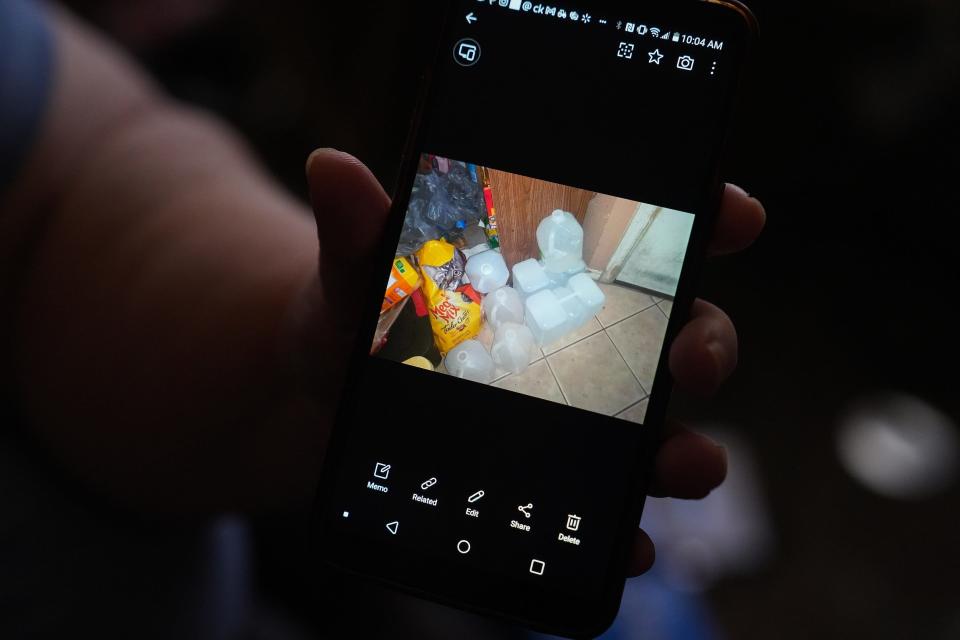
x=471, y=18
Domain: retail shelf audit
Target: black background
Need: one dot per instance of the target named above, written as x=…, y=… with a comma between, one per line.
x=847, y=131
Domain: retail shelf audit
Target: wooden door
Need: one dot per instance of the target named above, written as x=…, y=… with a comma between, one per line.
x=521, y=204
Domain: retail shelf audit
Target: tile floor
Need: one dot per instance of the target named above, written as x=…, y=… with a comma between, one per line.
x=608, y=365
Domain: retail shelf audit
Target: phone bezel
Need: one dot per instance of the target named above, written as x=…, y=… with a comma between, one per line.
x=574, y=617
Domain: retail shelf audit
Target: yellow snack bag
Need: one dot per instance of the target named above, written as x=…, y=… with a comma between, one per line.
x=454, y=308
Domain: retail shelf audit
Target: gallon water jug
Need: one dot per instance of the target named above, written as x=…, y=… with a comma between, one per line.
x=589, y=293
x=513, y=347
x=503, y=305
x=560, y=237
x=529, y=277
x=470, y=361
x=546, y=317
x=560, y=279
x=577, y=315
x=487, y=271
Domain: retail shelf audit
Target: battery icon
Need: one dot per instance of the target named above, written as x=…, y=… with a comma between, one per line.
x=676, y=37
x=515, y=4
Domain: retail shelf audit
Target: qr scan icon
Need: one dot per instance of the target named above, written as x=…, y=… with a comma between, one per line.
x=625, y=50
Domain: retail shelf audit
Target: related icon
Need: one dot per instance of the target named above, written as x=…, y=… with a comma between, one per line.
x=602, y=21
x=346, y=514
x=466, y=52
x=504, y=3
x=561, y=13
x=382, y=471
x=527, y=6
x=573, y=522
x=429, y=483
x=619, y=24
x=550, y=11
x=641, y=29
x=676, y=36
x=515, y=4
x=625, y=50
x=393, y=527
x=463, y=547
x=685, y=63
x=630, y=27
x=525, y=509
x=574, y=15
x=537, y=567
x=475, y=496
x=471, y=18
x=586, y=18
x=539, y=9
x=665, y=36
x=655, y=32
x=655, y=56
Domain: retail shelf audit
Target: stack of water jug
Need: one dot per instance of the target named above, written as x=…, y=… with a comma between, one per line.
x=550, y=298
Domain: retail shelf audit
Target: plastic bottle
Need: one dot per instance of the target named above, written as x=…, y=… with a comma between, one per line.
x=577, y=314
x=487, y=271
x=560, y=238
x=529, y=277
x=589, y=293
x=546, y=317
x=470, y=361
x=513, y=347
x=503, y=305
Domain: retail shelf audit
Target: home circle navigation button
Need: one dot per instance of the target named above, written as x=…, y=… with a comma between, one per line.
x=463, y=547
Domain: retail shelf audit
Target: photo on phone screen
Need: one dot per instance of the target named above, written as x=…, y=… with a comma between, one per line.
x=535, y=287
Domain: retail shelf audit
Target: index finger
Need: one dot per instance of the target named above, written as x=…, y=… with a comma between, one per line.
x=739, y=222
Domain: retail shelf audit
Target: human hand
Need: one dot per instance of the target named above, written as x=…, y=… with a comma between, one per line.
x=704, y=354
x=351, y=209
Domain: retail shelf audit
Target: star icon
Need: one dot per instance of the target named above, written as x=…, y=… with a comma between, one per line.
x=655, y=56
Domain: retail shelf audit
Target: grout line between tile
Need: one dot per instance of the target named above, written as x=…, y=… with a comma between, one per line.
x=629, y=368
x=557, y=380
x=577, y=342
x=646, y=397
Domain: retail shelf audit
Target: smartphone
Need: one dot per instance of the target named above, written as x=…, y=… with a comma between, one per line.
x=506, y=396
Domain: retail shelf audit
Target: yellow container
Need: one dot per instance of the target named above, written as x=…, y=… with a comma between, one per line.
x=403, y=281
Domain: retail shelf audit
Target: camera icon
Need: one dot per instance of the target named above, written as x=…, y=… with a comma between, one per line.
x=685, y=63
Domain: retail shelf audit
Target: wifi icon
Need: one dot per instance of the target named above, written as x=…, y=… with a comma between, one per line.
x=655, y=32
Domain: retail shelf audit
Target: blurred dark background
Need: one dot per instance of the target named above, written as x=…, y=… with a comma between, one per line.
x=848, y=132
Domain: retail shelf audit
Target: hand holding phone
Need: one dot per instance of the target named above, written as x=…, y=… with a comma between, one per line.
x=571, y=192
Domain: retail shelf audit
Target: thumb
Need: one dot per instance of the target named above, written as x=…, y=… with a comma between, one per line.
x=351, y=209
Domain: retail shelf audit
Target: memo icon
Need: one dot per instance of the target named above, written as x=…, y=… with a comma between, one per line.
x=382, y=471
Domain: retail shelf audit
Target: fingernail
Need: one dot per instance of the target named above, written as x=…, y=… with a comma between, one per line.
x=719, y=356
x=313, y=156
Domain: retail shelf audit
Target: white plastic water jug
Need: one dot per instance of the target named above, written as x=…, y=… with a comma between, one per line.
x=487, y=271
x=529, y=277
x=560, y=279
x=589, y=293
x=577, y=314
x=546, y=317
x=560, y=238
x=513, y=347
x=503, y=305
x=470, y=361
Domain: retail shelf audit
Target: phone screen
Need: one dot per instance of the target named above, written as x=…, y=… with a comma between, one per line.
x=513, y=372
